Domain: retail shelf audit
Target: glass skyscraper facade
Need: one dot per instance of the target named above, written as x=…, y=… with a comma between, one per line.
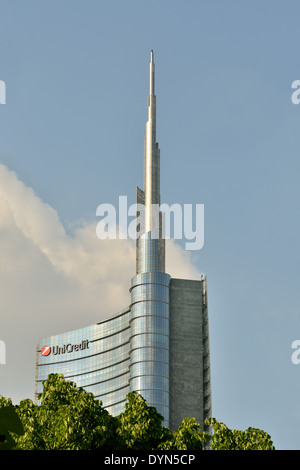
x=158, y=345
x=95, y=357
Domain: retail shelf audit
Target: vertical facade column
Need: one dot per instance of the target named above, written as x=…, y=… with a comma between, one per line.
x=149, y=343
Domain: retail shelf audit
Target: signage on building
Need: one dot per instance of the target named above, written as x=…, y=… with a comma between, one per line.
x=66, y=348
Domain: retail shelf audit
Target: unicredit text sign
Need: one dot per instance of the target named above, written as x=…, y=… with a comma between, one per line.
x=66, y=348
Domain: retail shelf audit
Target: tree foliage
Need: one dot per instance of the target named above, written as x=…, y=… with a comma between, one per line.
x=9, y=423
x=224, y=438
x=70, y=418
x=188, y=436
x=140, y=426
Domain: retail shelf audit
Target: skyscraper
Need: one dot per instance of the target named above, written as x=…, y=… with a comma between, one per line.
x=158, y=345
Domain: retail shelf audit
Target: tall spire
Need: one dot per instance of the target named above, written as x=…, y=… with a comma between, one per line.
x=152, y=157
x=150, y=247
x=150, y=296
x=152, y=72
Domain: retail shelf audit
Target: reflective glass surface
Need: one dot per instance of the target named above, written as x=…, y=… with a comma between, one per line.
x=95, y=358
x=150, y=254
x=151, y=307
x=149, y=354
x=149, y=342
x=149, y=382
x=149, y=339
x=150, y=292
x=149, y=367
x=149, y=323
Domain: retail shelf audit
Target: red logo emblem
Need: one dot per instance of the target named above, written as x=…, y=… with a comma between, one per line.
x=45, y=351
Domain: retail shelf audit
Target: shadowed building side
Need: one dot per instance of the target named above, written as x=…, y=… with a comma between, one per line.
x=190, y=394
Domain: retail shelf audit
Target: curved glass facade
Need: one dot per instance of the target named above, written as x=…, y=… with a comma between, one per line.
x=127, y=352
x=149, y=341
x=159, y=347
x=151, y=254
x=95, y=358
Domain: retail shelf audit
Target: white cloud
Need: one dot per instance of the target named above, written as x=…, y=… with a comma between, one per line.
x=51, y=282
x=179, y=262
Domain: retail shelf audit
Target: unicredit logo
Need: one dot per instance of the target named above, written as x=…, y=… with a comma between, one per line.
x=45, y=351
x=66, y=348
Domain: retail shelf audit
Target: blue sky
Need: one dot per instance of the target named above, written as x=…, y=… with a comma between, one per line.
x=72, y=131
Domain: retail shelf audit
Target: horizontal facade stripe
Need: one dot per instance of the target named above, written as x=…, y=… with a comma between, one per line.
x=146, y=295
x=65, y=338
x=107, y=380
x=151, y=361
x=127, y=328
x=150, y=278
x=149, y=367
x=149, y=317
x=152, y=324
x=150, y=307
x=113, y=404
x=113, y=391
x=141, y=348
x=142, y=301
x=110, y=386
x=153, y=391
x=94, y=370
x=83, y=357
x=108, y=327
x=113, y=318
x=154, y=340
x=149, y=334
